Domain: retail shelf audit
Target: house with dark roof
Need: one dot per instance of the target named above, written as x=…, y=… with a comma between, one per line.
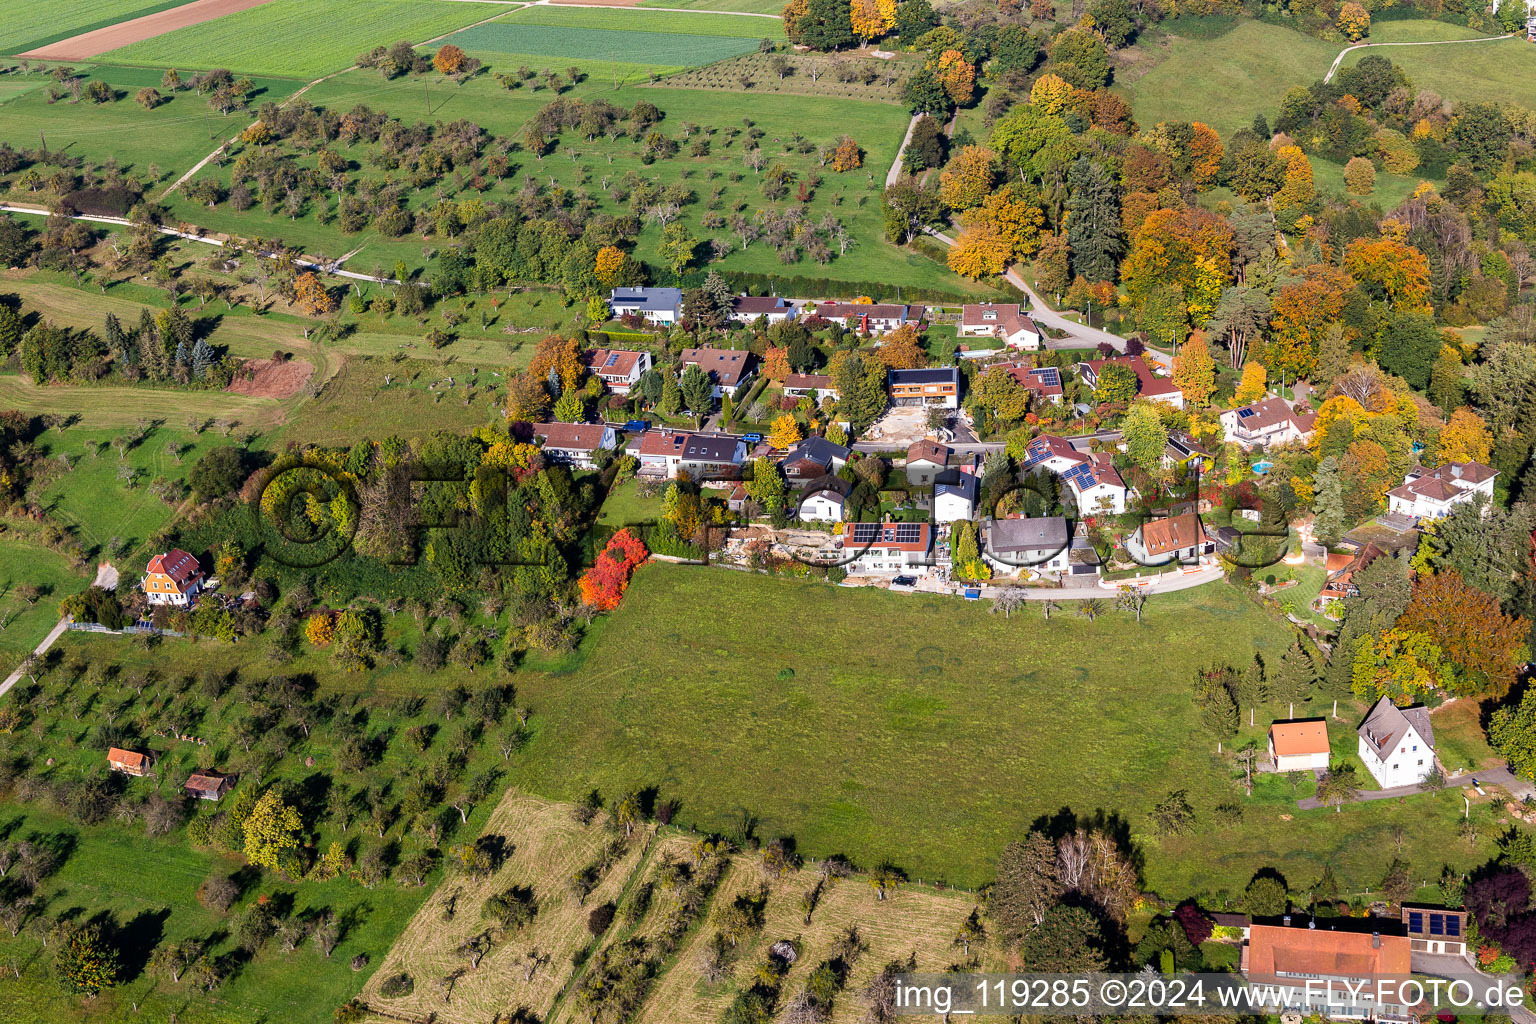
x=824, y=499
x=1397, y=744
x=815, y=386
x=1003, y=321
x=1172, y=538
x=1148, y=384
x=1183, y=450
x=1043, y=544
x=208, y=784
x=955, y=493
x=1330, y=968
x=1299, y=745
x=881, y=548
x=1432, y=493
x=713, y=456
x=727, y=368
x=745, y=309
x=874, y=317
x=1435, y=930
x=1266, y=422
x=129, y=762
x=935, y=387
x=173, y=578
x=575, y=444
x=813, y=457
x=617, y=368
x=925, y=461
x=663, y=305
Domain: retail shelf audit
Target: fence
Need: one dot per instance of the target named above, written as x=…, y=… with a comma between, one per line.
x=134, y=630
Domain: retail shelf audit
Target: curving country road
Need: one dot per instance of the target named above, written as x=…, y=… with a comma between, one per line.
x=1428, y=42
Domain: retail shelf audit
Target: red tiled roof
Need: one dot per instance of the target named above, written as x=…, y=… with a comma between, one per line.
x=176, y=564
x=1273, y=949
x=571, y=436
x=932, y=451
x=1175, y=533
x=623, y=366
x=126, y=758
x=726, y=365
x=1151, y=384
x=1291, y=738
x=808, y=381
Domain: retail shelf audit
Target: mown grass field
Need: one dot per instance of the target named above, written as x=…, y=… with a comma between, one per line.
x=293, y=37
x=745, y=6
x=632, y=20
x=1503, y=71
x=28, y=24
x=25, y=562
x=656, y=49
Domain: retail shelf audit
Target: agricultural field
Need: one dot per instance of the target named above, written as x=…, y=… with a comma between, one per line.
x=289, y=37
x=27, y=24
x=769, y=7
x=662, y=51
x=1503, y=71
x=661, y=22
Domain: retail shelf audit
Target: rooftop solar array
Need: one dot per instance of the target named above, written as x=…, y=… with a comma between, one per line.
x=1048, y=375
x=613, y=357
x=1081, y=475
x=909, y=533
x=1243, y=414
x=1037, y=452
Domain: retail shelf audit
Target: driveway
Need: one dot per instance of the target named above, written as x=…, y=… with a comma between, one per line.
x=1502, y=777
x=41, y=649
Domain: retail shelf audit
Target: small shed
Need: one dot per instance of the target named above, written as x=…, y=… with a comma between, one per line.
x=129, y=762
x=1299, y=745
x=209, y=785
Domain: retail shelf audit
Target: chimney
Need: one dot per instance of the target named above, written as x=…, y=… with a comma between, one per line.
x=1375, y=940
x=1286, y=920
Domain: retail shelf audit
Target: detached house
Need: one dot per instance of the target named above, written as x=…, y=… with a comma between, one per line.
x=1397, y=744
x=1341, y=573
x=1044, y=544
x=955, y=493
x=814, y=457
x=173, y=578
x=129, y=762
x=1318, y=969
x=1182, y=449
x=663, y=305
x=824, y=500
x=618, y=369
x=876, y=318
x=1175, y=538
x=659, y=452
x=887, y=547
x=1097, y=486
x=937, y=387
x=1002, y=321
x=1299, y=745
x=713, y=456
x=815, y=386
x=727, y=368
x=925, y=461
x=1044, y=382
x=745, y=309
x=1148, y=384
x=1432, y=493
x=575, y=444
x=1271, y=421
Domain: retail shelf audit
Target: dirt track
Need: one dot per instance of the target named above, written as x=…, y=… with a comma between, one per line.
x=89, y=44
x=263, y=378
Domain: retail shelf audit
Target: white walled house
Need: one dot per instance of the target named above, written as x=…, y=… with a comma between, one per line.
x=1397, y=744
x=815, y=386
x=727, y=368
x=1175, y=538
x=878, y=548
x=575, y=444
x=661, y=305
x=1041, y=544
x=1299, y=745
x=925, y=461
x=173, y=578
x=954, y=496
x=1148, y=384
x=1271, y=421
x=617, y=368
x=824, y=500
x=1002, y=321
x=1097, y=486
x=1432, y=493
x=745, y=309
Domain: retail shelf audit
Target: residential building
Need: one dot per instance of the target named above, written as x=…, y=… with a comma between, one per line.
x=1432, y=493
x=1397, y=744
x=955, y=493
x=1172, y=538
x=173, y=578
x=727, y=368
x=1148, y=384
x=617, y=368
x=713, y=456
x=1342, y=567
x=209, y=785
x=1184, y=450
x=1001, y=320
x=575, y=444
x=745, y=309
x=1269, y=421
x=814, y=457
x=876, y=318
x=936, y=386
x=815, y=386
x=1047, y=451
x=824, y=500
x=129, y=762
x=877, y=548
x=925, y=461
x=1435, y=929
x=1329, y=970
x=1300, y=745
x=659, y=451
x=1097, y=486
x=1042, y=544
x=662, y=305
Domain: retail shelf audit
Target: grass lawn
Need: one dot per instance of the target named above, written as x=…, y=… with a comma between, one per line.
x=289, y=37
x=22, y=561
x=660, y=50
x=665, y=22
x=28, y=24
x=1459, y=738
x=746, y=6
x=1496, y=72
x=358, y=402
x=120, y=406
x=625, y=505
x=1390, y=191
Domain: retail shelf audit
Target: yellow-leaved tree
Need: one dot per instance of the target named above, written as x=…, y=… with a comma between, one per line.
x=1194, y=371
x=967, y=178
x=980, y=251
x=1253, y=385
x=272, y=827
x=785, y=432
x=1465, y=438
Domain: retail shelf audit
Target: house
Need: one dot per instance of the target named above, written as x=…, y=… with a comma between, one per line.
x=814, y=457
x=1435, y=929
x=727, y=368
x=1183, y=450
x=209, y=785
x=876, y=318
x=747, y=308
x=1047, y=451
x=824, y=500
x=173, y=578
x=1044, y=544
x=1342, y=567
x=1001, y=320
x=1432, y=493
x=1173, y=538
x=659, y=451
x=1324, y=968
x=1397, y=744
x=1266, y=422
x=663, y=305
x=617, y=368
x=1148, y=384
x=925, y=461
x=1097, y=486
x=1044, y=382
x=815, y=386
x=887, y=547
x=937, y=386
x=1299, y=745
x=575, y=444
x=129, y=762
x=955, y=493
x=713, y=456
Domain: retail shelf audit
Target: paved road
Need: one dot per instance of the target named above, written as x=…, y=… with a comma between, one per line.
x=1492, y=777
x=41, y=649
x=893, y=175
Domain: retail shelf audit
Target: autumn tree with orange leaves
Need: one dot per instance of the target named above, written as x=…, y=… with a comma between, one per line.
x=979, y=251
x=1392, y=270
x=847, y=156
x=1189, y=248
x=967, y=178
x=776, y=363
x=957, y=76
x=449, y=59
x=561, y=354
x=1301, y=315
x=901, y=350
x=1471, y=629
x=311, y=296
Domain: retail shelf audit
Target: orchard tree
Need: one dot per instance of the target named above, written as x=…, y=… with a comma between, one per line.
x=86, y=961
x=1360, y=176
x=311, y=295
x=272, y=828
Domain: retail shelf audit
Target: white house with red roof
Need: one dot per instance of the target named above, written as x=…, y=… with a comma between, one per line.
x=886, y=547
x=1266, y=422
x=575, y=444
x=1095, y=483
x=1432, y=493
x=1148, y=384
x=618, y=368
x=1044, y=382
x=173, y=578
x=1004, y=321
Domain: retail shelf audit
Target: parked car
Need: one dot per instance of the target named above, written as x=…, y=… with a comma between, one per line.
x=753, y=438
x=637, y=426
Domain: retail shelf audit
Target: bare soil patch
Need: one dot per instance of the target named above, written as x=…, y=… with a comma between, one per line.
x=265, y=378
x=89, y=44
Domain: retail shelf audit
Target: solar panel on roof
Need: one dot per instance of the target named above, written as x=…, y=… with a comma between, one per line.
x=1243, y=414
x=612, y=358
x=1049, y=376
